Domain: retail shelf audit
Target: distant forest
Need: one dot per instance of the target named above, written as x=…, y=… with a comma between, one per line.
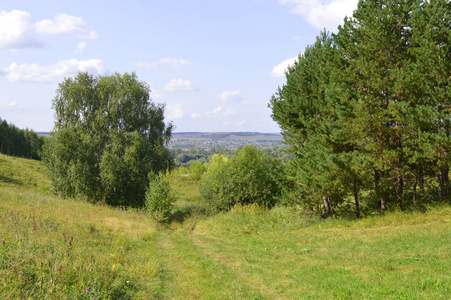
x=19, y=142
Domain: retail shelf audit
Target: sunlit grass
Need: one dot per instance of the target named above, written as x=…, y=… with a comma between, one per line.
x=62, y=248
x=388, y=257
x=24, y=174
x=52, y=248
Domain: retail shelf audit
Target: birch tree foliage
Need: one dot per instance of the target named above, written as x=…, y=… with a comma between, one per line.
x=108, y=136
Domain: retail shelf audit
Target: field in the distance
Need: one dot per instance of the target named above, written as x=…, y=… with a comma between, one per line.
x=68, y=249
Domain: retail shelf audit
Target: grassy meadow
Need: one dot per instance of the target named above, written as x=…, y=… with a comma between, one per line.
x=51, y=248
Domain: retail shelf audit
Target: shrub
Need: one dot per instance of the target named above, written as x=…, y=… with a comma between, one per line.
x=159, y=198
x=246, y=179
x=196, y=170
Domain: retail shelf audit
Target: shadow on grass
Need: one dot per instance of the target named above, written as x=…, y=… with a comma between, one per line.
x=10, y=180
x=192, y=210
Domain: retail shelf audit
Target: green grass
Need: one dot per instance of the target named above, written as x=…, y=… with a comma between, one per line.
x=25, y=174
x=52, y=248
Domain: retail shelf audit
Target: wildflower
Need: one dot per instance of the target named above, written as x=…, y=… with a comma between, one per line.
x=87, y=290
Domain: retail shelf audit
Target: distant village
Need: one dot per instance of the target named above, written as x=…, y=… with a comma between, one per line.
x=225, y=140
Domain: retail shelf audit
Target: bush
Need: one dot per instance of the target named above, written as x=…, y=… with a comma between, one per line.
x=248, y=178
x=196, y=170
x=159, y=198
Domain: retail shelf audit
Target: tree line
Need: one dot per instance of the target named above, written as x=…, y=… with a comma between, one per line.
x=19, y=142
x=184, y=157
x=366, y=111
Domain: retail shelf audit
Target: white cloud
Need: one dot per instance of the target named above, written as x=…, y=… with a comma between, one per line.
x=179, y=85
x=230, y=96
x=12, y=103
x=37, y=73
x=14, y=26
x=174, y=111
x=242, y=122
x=280, y=69
x=66, y=24
x=215, y=111
x=322, y=13
x=195, y=116
x=173, y=62
x=81, y=47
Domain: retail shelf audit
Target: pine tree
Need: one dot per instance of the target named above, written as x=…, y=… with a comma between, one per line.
x=310, y=113
x=430, y=84
x=375, y=43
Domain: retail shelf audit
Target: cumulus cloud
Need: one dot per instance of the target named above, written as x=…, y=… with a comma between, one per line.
x=279, y=70
x=215, y=111
x=14, y=27
x=81, y=47
x=172, y=62
x=12, y=103
x=195, y=116
x=230, y=96
x=322, y=13
x=179, y=85
x=66, y=24
x=65, y=68
x=242, y=122
x=174, y=111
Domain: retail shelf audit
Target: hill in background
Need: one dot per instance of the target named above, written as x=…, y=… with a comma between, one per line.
x=225, y=139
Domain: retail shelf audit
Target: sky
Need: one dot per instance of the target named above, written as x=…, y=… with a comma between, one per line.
x=215, y=64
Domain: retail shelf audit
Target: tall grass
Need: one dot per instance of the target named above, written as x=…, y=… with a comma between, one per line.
x=67, y=249
x=52, y=248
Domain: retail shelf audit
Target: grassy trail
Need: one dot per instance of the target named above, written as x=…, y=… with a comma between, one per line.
x=194, y=273
x=51, y=248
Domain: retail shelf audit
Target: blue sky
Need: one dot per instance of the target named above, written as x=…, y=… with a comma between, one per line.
x=214, y=63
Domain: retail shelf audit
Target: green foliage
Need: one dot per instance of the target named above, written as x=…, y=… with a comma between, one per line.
x=366, y=110
x=18, y=142
x=123, y=169
x=196, y=170
x=245, y=179
x=159, y=198
x=108, y=136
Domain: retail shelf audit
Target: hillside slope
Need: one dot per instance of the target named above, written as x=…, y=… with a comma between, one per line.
x=69, y=249
x=23, y=173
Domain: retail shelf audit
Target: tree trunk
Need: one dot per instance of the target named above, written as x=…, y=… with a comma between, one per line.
x=356, y=199
x=327, y=207
x=414, y=193
x=421, y=179
x=446, y=182
x=380, y=193
x=399, y=190
x=443, y=187
x=383, y=203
